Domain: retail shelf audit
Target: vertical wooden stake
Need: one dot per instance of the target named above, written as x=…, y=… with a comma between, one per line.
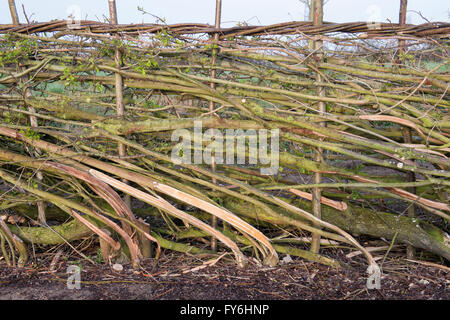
x=407, y=135
x=33, y=119
x=13, y=10
x=105, y=248
x=120, y=109
x=146, y=245
x=112, y=12
x=211, y=107
x=402, y=22
x=316, y=15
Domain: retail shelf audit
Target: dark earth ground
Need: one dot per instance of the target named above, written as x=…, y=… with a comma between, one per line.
x=174, y=278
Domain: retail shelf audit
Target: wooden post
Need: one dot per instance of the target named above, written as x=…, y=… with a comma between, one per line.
x=402, y=22
x=144, y=243
x=316, y=15
x=13, y=10
x=407, y=135
x=112, y=12
x=33, y=119
x=120, y=108
x=211, y=107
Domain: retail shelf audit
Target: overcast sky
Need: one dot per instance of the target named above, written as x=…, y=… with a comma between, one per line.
x=254, y=12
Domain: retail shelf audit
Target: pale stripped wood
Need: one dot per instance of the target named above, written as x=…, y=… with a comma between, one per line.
x=223, y=214
x=411, y=196
x=339, y=205
x=114, y=244
x=167, y=207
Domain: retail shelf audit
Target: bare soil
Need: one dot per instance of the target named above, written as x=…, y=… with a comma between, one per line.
x=176, y=277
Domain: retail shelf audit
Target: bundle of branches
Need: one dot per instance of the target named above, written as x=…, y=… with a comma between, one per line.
x=385, y=136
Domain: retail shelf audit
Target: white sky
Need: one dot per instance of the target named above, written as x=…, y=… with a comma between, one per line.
x=254, y=12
